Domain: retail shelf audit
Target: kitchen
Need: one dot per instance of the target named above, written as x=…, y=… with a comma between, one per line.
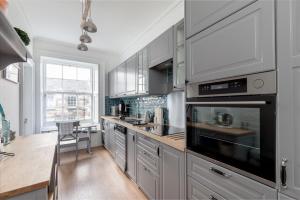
x=199, y=102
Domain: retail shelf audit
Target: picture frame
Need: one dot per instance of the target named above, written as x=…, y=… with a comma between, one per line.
x=12, y=73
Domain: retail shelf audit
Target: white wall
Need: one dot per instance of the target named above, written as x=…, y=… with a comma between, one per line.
x=170, y=17
x=9, y=92
x=50, y=48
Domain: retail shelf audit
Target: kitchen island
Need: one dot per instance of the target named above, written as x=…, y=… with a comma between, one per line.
x=31, y=173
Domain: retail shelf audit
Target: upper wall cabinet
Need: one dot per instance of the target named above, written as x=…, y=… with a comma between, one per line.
x=142, y=73
x=12, y=49
x=161, y=49
x=243, y=43
x=204, y=13
x=288, y=61
x=121, y=80
x=131, y=66
x=112, y=80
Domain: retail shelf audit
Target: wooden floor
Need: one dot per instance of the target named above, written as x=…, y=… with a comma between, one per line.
x=95, y=176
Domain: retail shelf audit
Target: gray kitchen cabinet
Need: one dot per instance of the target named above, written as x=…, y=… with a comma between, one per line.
x=131, y=158
x=111, y=142
x=142, y=73
x=106, y=134
x=120, y=150
x=171, y=173
x=161, y=48
x=284, y=197
x=121, y=80
x=202, y=14
x=147, y=180
x=230, y=185
x=242, y=43
x=197, y=191
x=179, y=57
x=131, y=66
x=112, y=80
x=288, y=110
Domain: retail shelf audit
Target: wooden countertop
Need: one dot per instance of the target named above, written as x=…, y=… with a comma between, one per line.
x=176, y=141
x=30, y=168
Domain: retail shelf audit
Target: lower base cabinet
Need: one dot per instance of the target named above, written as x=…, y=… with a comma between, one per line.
x=171, y=173
x=284, y=197
x=196, y=191
x=233, y=186
x=147, y=180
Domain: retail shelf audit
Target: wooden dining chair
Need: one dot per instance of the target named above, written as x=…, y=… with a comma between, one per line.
x=67, y=137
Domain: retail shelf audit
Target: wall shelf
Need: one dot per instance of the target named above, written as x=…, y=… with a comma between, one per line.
x=12, y=49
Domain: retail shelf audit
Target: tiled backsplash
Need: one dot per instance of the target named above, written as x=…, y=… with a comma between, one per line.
x=138, y=105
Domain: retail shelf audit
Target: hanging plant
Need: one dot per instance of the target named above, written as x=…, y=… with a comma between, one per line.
x=23, y=35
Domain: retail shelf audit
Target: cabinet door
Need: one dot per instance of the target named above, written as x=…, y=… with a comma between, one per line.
x=243, y=43
x=288, y=43
x=142, y=72
x=172, y=173
x=131, y=158
x=179, y=57
x=121, y=79
x=161, y=49
x=131, y=65
x=197, y=191
x=201, y=14
x=112, y=83
x=284, y=197
x=229, y=184
x=147, y=181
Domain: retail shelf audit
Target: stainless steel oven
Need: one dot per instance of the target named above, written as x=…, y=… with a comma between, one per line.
x=232, y=122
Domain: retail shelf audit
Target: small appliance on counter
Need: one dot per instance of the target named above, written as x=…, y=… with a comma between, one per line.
x=159, y=115
x=114, y=110
x=163, y=130
x=123, y=109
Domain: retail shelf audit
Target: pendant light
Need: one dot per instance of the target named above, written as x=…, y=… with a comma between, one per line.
x=89, y=25
x=85, y=38
x=82, y=47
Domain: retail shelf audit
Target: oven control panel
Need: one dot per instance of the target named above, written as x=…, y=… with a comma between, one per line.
x=224, y=87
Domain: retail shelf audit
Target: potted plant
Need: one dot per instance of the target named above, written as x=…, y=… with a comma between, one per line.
x=23, y=35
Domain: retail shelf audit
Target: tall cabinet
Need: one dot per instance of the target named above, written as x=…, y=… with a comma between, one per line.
x=288, y=59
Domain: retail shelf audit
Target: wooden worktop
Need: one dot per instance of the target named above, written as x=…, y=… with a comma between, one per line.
x=30, y=168
x=176, y=141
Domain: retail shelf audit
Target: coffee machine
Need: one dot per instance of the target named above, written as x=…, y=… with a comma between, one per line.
x=123, y=109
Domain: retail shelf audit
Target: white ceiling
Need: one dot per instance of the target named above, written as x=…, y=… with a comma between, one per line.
x=119, y=22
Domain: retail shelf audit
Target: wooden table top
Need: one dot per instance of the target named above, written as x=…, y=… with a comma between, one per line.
x=176, y=141
x=30, y=168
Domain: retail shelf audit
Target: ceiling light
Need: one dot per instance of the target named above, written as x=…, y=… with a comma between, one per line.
x=85, y=38
x=82, y=47
x=89, y=26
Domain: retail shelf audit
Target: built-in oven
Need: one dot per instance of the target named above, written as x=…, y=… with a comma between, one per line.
x=232, y=122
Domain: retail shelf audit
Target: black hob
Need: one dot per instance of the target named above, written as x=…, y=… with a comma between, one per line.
x=163, y=130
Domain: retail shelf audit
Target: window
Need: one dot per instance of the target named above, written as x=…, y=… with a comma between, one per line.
x=70, y=91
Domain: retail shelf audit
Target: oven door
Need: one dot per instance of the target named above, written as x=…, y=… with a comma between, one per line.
x=239, y=132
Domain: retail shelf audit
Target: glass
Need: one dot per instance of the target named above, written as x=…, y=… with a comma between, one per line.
x=53, y=101
x=54, y=71
x=69, y=72
x=84, y=107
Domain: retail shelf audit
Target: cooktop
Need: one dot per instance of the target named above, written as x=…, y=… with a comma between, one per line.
x=163, y=130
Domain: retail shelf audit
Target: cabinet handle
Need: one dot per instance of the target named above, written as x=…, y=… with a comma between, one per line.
x=219, y=172
x=212, y=197
x=158, y=151
x=283, y=173
x=133, y=138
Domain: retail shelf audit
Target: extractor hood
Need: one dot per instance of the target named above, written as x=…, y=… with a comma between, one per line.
x=12, y=49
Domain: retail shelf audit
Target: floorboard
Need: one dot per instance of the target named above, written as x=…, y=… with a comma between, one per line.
x=94, y=176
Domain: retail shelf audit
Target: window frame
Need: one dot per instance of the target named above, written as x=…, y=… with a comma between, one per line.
x=93, y=74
